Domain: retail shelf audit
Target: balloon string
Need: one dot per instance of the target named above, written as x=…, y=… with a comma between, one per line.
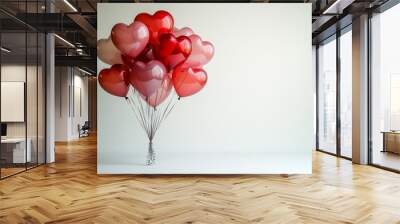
x=135, y=111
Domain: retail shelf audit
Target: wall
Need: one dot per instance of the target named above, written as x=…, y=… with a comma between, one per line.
x=15, y=72
x=69, y=112
x=255, y=114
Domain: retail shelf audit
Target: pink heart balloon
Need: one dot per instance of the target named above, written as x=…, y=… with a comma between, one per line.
x=202, y=52
x=185, y=31
x=130, y=40
x=147, y=78
x=161, y=93
x=107, y=52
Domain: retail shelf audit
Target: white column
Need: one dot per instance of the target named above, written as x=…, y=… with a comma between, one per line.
x=50, y=91
x=360, y=90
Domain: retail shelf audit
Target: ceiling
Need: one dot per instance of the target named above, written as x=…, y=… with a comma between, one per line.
x=75, y=21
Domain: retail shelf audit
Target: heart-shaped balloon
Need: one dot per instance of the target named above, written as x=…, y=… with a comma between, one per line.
x=130, y=40
x=202, y=52
x=188, y=81
x=147, y=77
x=107, y=52
x=158, y=23
x=185, y=31
x=147, y=54
x=161, y=93
x=115, y=80
x=172, y=51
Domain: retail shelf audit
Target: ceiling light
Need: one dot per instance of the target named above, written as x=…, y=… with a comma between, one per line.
x=70, y=5
x=64, y=40
x=84, y=71
x=5, y=50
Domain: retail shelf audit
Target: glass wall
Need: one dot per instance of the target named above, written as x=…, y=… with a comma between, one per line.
x=327, y=96
x=22, y=90
x=385, y=89
x=346, y=93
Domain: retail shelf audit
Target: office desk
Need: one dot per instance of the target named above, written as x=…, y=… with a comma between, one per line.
x=13, y=150
x=391, y=141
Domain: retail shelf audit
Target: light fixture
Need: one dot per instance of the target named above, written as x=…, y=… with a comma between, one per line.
x=5, y=50
x=70, y=5
x=84, y=71
x=64, y=40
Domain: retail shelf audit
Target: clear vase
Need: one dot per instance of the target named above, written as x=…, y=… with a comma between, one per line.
x=151, y=156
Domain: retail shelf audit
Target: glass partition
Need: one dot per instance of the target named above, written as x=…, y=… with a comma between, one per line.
x=22, y=88
x=14, y=155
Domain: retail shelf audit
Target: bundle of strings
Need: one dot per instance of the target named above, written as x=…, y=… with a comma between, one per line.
x=150, y=117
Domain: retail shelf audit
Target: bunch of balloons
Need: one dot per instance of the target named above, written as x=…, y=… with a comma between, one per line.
x=153, y=64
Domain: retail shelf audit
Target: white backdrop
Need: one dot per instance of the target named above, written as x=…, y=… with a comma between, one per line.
x=255, y=115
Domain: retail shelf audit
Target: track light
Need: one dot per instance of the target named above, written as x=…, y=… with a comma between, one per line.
x=5, y=50
x=64, y=40
x=84, y=71
x=337, y=7
x=70, y=5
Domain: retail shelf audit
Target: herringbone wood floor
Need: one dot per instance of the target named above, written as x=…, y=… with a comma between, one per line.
x=70, y=191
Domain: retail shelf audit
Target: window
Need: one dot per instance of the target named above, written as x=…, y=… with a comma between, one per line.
x=327, y=97
x=385, y=89
x=346, y=93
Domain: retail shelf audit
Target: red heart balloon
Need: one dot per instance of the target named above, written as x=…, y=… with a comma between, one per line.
x=172, y=50
x=115, y=80
x=147, y=77
x=159, y=23
x=130, y=40
x=202, y=52
x=188, y=81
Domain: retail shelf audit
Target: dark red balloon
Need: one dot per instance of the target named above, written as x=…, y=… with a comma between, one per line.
x=158, y=23
x=172, y=51
x=188, y=81
x=146, y=55
x=115, y=80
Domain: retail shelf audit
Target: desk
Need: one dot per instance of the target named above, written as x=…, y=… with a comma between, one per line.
x=391, y=141
x=13, y=150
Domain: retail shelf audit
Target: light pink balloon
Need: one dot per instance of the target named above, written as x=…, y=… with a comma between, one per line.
x=107, y=52
x=185, y=31
x=161, y=94
x=130, y=40
x=147, y=78
x=202, y=52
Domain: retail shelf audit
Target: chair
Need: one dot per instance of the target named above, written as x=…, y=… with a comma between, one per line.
x=84, y=130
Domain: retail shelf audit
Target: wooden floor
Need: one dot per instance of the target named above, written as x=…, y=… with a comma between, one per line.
x=70, y=191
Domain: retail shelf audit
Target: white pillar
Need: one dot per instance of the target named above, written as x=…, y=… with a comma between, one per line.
x=50, y=91
x=360, y=90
